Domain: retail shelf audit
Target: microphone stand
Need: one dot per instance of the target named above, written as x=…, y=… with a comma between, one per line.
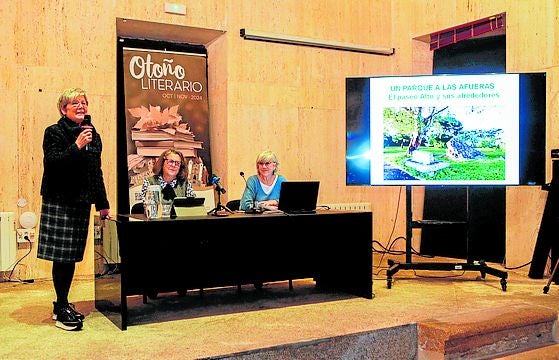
x=219, y=207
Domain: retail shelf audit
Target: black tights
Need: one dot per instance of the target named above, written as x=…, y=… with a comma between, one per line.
x=62, y=275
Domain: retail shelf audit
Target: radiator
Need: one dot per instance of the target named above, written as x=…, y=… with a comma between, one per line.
x=8, y=244
x=365, y=206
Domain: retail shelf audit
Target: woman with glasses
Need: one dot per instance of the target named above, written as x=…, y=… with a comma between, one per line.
x=72, y=181
x=169, y=172
x=263, y=189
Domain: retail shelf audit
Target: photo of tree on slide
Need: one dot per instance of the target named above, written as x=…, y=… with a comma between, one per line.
x=444, y=143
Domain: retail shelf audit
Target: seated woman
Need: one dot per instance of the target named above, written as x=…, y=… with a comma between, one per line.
x=264, y=187
x=169, y=172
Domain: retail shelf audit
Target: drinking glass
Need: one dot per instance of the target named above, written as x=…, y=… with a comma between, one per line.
x=166, y=206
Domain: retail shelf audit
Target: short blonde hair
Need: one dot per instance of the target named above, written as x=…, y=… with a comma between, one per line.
x=266, y=156
x=67, y=96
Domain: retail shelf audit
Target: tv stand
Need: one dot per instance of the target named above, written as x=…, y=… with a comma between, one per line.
x=469, y=265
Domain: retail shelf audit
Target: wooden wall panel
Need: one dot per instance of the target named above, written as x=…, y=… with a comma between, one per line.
x=217, y=90
x=8, y=103
x=9, y=146
x=286, y=98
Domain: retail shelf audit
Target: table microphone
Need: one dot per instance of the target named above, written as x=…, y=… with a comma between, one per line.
x=218, y=187
x=253, y=209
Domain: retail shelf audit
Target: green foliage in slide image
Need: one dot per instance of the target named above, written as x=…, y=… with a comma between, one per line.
x=490, y=167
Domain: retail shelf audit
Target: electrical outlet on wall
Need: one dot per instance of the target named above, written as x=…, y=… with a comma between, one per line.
x=22, y=233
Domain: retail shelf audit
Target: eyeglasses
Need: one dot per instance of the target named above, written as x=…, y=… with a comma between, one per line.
x=173, y=162
x=267, y=163
x=76, y=104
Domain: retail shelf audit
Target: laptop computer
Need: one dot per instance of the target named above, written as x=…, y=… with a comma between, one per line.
x=182, y=201
x=298, y=197
x=188, y=206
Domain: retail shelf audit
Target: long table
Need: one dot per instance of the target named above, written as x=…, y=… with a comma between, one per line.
x=202, y=252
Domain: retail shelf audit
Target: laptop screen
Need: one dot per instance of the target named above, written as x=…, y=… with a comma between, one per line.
x=188, y=201
x=188, y=206
x=298, y=196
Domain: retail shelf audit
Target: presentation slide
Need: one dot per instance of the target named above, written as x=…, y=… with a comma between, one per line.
x=444, y=129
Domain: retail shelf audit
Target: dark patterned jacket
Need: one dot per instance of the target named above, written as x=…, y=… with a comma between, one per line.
x=72, y=175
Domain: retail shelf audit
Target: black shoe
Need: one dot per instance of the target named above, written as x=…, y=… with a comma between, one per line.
x=66, y=319
x=55, y=309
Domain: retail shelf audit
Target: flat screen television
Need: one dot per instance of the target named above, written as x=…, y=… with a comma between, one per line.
x=470, y=129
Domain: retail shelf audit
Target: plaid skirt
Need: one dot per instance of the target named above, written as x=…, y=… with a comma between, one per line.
x=63, y=231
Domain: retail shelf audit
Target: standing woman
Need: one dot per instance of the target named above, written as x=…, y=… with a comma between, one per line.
x=72, y=181
x=264, y=187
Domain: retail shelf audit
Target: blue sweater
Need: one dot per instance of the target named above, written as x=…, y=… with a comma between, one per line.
x=254, y=192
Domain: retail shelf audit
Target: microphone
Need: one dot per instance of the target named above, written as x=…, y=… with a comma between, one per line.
x=218, y=187
x=254, y=209
x=86, y=124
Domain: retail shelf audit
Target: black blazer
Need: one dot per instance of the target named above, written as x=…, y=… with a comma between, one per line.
x=72, y=175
